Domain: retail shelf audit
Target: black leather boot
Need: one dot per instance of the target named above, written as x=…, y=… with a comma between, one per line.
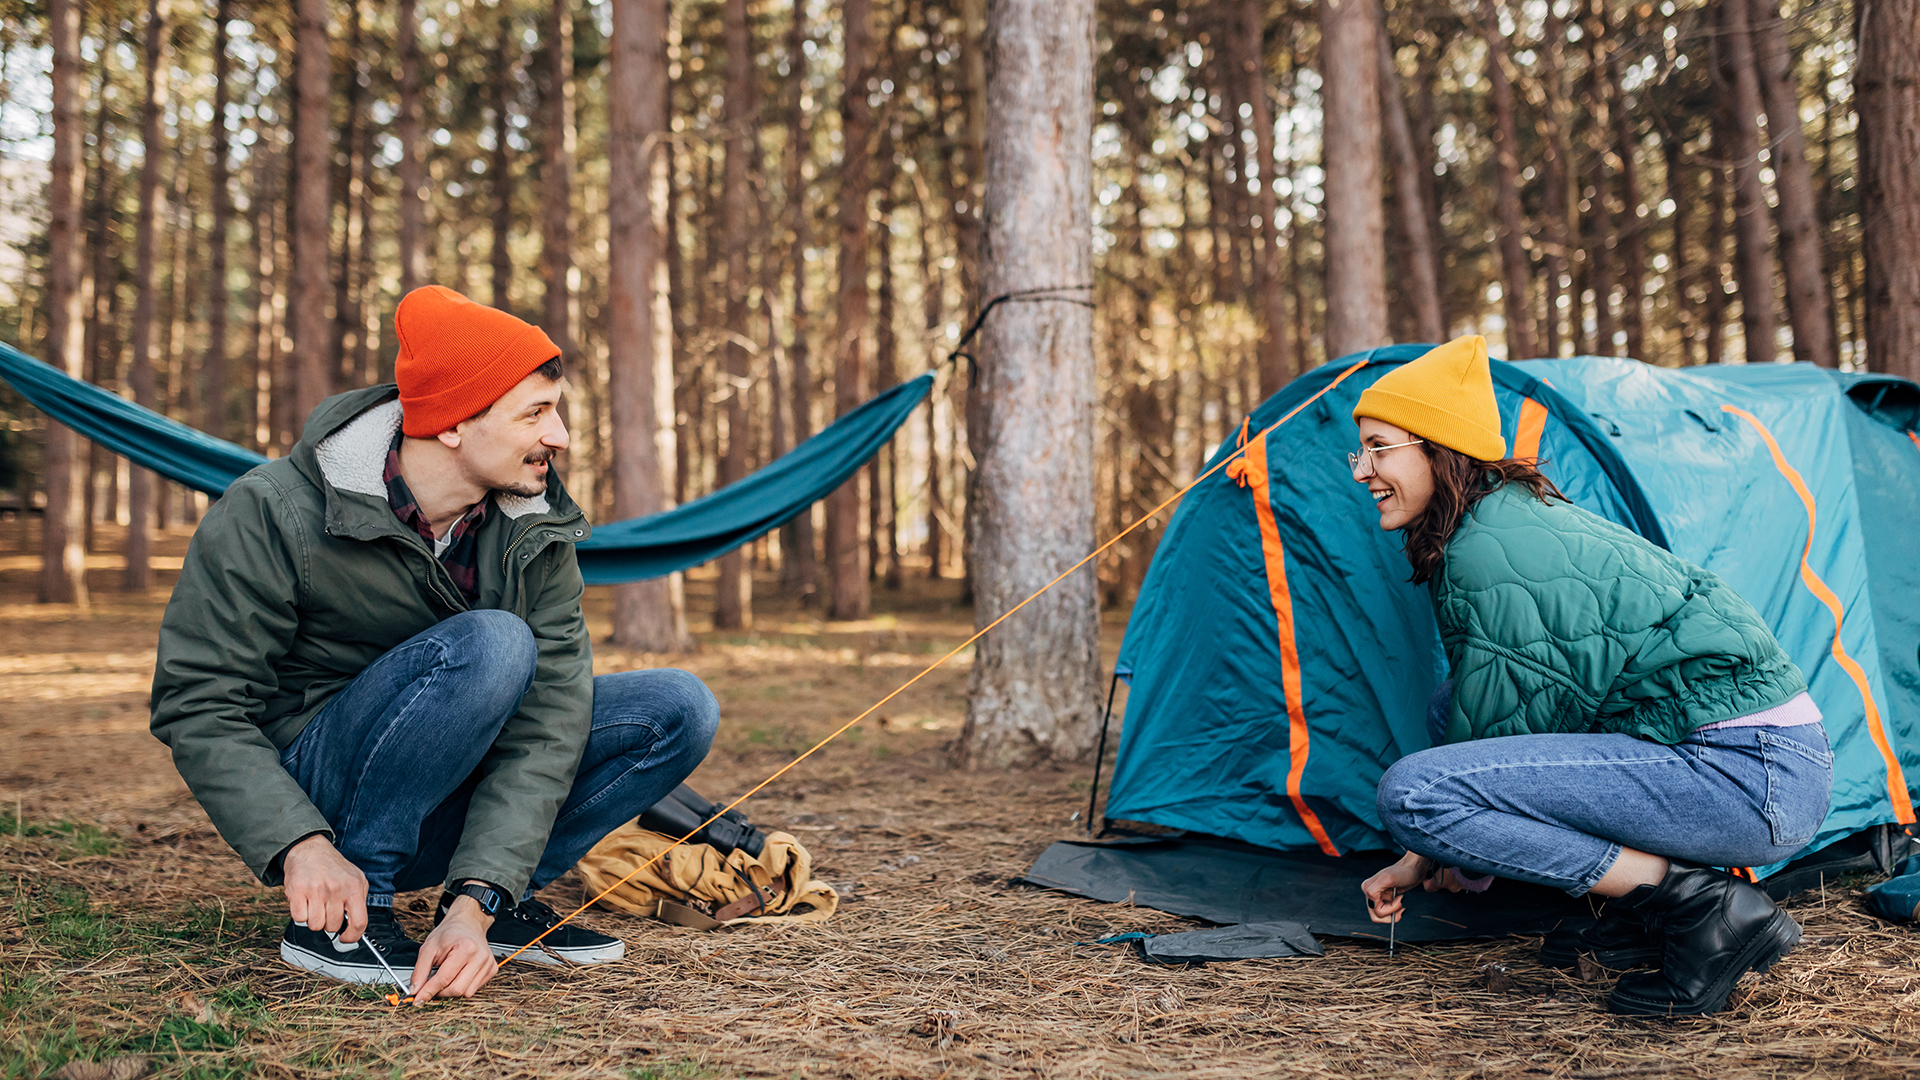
x=1716, y=929
x=1618, y=941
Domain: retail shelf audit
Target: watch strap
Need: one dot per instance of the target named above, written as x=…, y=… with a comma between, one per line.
x=490, y=899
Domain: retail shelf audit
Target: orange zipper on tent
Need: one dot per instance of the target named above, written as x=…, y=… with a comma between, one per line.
x=1533, y=424
x=1896, y=778
x=1299, y=739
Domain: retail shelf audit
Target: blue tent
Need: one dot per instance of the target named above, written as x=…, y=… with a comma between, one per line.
x=1280, y=660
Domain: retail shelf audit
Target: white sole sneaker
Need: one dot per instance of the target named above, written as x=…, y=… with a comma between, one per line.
x=542, y=953
x=332, y=967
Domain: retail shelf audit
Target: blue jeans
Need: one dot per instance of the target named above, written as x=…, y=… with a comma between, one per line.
x=391, y=760
x=1557, y=809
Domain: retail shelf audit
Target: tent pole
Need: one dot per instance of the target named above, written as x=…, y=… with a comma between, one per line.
x=1093, y=795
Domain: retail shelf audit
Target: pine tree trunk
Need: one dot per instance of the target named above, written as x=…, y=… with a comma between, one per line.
x=1515, y=270
x=506, y=61
x=886, y=372
x=1556, y=211
x=1355, y=243
x=1680, y=191
x=63, y=575
x=556, y=180
x=1887, y=93
x=799, y=570
x=1718, y=192
x=733, y=597
x=1740, y=106
x=1631, y=232
x=140, y=482
x=307, y=304
x=647, y=615
x=848, y=584
x=216, y=417
x=1277, y=364
x=1032, y=695
x=412, y=175
x=1423, y=262
x=1801, y=261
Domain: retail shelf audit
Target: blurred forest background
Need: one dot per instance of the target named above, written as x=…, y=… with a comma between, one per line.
x=1678, y=181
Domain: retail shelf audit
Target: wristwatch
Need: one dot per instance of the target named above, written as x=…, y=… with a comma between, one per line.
x=489, y=898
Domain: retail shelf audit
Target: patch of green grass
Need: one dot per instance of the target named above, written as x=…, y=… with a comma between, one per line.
x=74, y=837
x=61, y=915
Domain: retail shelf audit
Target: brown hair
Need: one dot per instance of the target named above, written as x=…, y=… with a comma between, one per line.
x=1458, y=483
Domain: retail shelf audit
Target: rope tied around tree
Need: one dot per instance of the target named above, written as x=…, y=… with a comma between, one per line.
x=1041, y=295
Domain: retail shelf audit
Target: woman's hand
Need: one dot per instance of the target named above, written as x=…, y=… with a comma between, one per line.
x=1384, y=888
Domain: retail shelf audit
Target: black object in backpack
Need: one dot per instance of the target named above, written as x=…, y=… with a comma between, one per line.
x=681, y=813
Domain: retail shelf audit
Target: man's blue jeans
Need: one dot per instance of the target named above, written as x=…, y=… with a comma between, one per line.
x=391, y=761
x=1556, y=809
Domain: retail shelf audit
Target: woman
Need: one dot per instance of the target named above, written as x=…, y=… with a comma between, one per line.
x=1620, y=721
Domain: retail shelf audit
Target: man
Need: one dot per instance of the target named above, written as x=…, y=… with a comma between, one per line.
x=375, y=676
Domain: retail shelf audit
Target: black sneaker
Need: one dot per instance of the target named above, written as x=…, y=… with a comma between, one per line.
x=515, y=928
x=324, y=954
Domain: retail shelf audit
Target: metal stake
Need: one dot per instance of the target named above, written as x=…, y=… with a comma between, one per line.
x=406, y=988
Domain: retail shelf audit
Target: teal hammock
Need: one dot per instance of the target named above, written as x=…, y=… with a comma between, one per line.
x=621, y=551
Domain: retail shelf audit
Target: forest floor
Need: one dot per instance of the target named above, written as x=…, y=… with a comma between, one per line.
x=131, y=937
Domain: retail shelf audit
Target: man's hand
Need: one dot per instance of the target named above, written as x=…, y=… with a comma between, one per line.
x=1384, y=888
x=458, y=947
x=324, y=890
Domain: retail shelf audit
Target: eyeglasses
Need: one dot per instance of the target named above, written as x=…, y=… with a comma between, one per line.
x=1366, y=453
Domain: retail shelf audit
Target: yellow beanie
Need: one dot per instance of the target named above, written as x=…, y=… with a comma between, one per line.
x=1445, y=397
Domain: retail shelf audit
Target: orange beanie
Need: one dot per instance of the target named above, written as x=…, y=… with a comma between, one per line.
x=457, y=357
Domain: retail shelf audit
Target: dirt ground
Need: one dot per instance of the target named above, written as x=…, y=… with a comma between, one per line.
x=131, y=937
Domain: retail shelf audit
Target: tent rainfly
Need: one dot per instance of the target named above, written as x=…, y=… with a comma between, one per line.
x=1280, y=660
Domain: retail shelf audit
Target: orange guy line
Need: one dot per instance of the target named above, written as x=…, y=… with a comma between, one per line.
x=955, y=651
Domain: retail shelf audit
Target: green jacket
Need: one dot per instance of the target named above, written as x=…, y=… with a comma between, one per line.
x=1556, y=620
x=299, y=577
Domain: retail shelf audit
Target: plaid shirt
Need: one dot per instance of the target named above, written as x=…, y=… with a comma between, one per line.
x=461, y=556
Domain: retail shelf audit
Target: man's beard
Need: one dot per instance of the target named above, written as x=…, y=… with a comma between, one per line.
x=532, y=490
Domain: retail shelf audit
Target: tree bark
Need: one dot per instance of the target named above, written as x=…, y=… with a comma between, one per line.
x=216, y=401
x=1802, y=264
x=556, y=216
x=647, y=615
x=140, y=482
x=1557, y=210
x=1515, y=270
x=1739, y=111
x=1277, y=364
x=849, y=595
x=1680, y=190
x=1630, y=233
x=799, y=571
x=1716, y=269
x=1356, y=251
x=506, y=60
x=733, y=598
x=412, y=175
x=1423, y=261
x=1887, y=92
x=63, y=575
x=312, y=340
x=1032, y=693
x=886, y=372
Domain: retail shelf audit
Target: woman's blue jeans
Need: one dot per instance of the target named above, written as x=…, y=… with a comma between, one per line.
x=391, y=761
x=1557, y=809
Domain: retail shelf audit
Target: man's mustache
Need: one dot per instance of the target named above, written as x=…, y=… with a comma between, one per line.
x=541, y=456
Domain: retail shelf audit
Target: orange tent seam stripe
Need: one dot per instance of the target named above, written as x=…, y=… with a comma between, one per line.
x=1533, y=424
x=929, y=669
x=1299, y=739
x=1896, y=777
